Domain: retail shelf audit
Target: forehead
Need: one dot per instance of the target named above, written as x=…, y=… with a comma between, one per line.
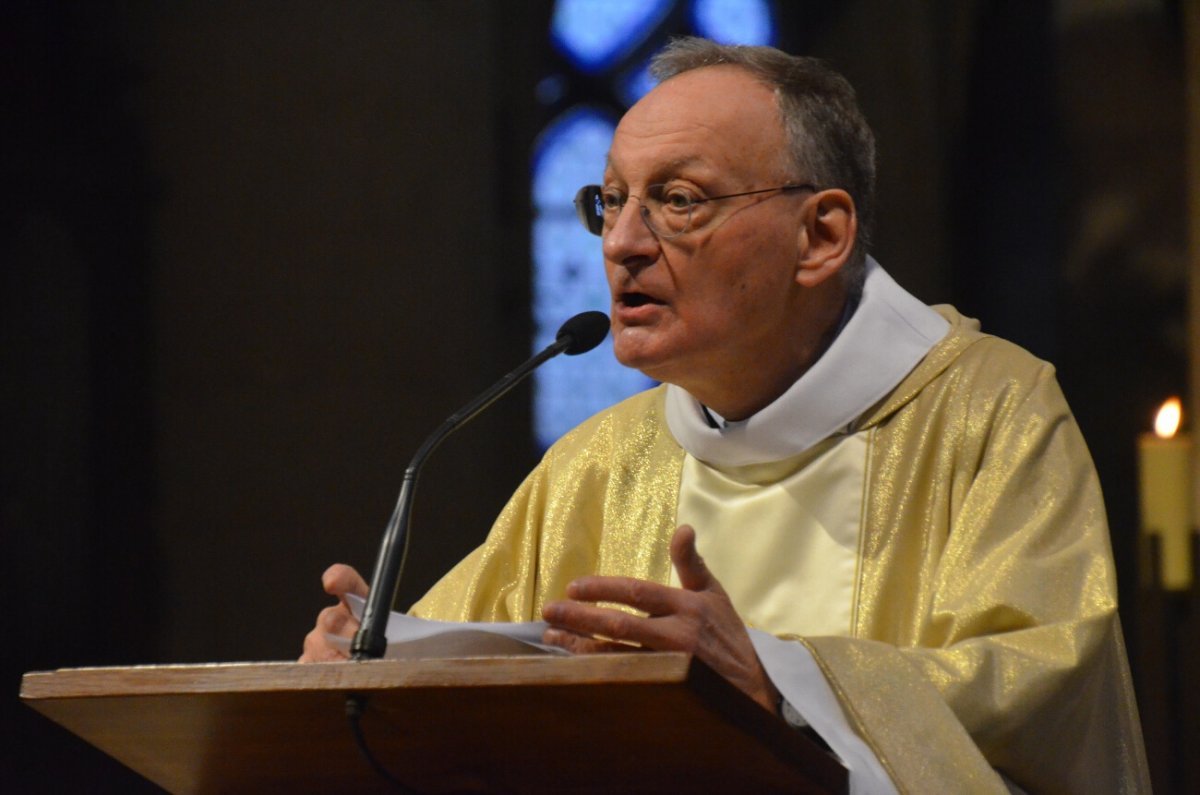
x=716, y=118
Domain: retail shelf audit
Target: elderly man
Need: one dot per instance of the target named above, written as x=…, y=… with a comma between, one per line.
x=902, y=533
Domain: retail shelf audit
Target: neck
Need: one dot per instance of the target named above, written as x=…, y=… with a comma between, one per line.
x=753, y=383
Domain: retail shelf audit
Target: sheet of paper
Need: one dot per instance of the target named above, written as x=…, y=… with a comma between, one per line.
x=402, y=629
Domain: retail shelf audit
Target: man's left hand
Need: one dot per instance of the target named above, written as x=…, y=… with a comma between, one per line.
x=697, y=618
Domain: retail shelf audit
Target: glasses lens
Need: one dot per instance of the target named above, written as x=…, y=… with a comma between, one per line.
x=668, y=211
x=590, y=208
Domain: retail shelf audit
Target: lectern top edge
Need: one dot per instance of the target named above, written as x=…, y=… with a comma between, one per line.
x=236, y=677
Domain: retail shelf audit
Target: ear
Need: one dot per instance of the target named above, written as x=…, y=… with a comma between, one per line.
x=829, y=224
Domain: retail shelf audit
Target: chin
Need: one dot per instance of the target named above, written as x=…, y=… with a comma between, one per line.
x=632, y=356
x=654, y=353
x=649, y=365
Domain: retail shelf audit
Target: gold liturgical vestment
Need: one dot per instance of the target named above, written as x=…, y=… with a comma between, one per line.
x=983, y=630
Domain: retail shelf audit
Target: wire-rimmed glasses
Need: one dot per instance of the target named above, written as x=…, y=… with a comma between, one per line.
x=668, y=210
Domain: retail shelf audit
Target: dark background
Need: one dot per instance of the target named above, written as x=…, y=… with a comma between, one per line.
x=252, y=252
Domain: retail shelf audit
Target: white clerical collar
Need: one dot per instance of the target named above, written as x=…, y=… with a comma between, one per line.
x=885, y=338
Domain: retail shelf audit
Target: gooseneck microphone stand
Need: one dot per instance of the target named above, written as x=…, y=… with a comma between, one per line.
x=579, y=334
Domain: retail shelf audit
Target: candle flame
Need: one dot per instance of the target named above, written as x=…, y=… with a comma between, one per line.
x=1166, y=423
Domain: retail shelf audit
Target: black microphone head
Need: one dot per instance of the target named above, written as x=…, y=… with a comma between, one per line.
x=583, y=332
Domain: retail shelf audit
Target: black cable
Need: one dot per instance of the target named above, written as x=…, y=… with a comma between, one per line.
x=356, y=705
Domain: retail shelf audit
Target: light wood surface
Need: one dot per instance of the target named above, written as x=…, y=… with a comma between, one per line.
x=634, y=722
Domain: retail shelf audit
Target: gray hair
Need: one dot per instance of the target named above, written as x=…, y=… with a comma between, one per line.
x=831, y=143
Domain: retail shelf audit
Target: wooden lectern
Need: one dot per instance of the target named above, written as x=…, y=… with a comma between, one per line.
x=637, y=722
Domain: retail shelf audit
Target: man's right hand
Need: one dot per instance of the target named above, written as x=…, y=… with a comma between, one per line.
x=338, y=580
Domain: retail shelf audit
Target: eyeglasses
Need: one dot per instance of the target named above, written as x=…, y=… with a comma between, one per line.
x=669, y=211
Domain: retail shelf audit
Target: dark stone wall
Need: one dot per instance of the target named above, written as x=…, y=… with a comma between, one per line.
x=252, y=253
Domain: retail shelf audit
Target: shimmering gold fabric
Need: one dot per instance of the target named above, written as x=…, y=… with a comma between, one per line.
x=985, y=607
x=987, y=571
x=602, y=501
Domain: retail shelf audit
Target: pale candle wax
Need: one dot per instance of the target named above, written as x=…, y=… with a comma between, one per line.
x=1165, y=459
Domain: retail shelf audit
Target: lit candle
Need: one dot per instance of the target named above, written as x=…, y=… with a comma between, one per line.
x=1166, y=467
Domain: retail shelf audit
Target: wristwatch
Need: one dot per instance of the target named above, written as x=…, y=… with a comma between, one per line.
x=790, y=715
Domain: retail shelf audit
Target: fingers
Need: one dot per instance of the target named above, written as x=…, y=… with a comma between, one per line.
x=693, y=573
x=334, y=620
x=337, y=620
x=340, y=579
x=578, y=644
x=698, y=618
x=652, y=598
x=318, y=649
x=649, y=597
x=594, y=625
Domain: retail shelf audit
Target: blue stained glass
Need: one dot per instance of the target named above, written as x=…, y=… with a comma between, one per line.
x=570, y=153
x=595, y=34
x=569, y=276
x=635, y=83
x=734, y=21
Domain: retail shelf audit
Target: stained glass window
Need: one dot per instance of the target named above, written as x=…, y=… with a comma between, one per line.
x=611, y=39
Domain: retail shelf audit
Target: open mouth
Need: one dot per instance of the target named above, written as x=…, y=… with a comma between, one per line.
x=634, y=300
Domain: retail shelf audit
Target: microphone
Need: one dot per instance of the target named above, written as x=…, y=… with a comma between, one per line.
x=582, y=333
x=579, y=334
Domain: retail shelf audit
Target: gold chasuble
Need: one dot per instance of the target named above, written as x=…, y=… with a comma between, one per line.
x=982, y=629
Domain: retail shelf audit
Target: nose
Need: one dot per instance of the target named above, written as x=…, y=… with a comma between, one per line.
x=630, y=240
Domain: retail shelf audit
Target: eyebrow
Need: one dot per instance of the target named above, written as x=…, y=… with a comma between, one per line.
x=672, y=166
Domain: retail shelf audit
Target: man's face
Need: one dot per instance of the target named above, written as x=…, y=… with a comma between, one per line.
x=702, y=308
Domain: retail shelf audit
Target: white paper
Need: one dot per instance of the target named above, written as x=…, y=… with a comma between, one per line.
x=402, y=628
